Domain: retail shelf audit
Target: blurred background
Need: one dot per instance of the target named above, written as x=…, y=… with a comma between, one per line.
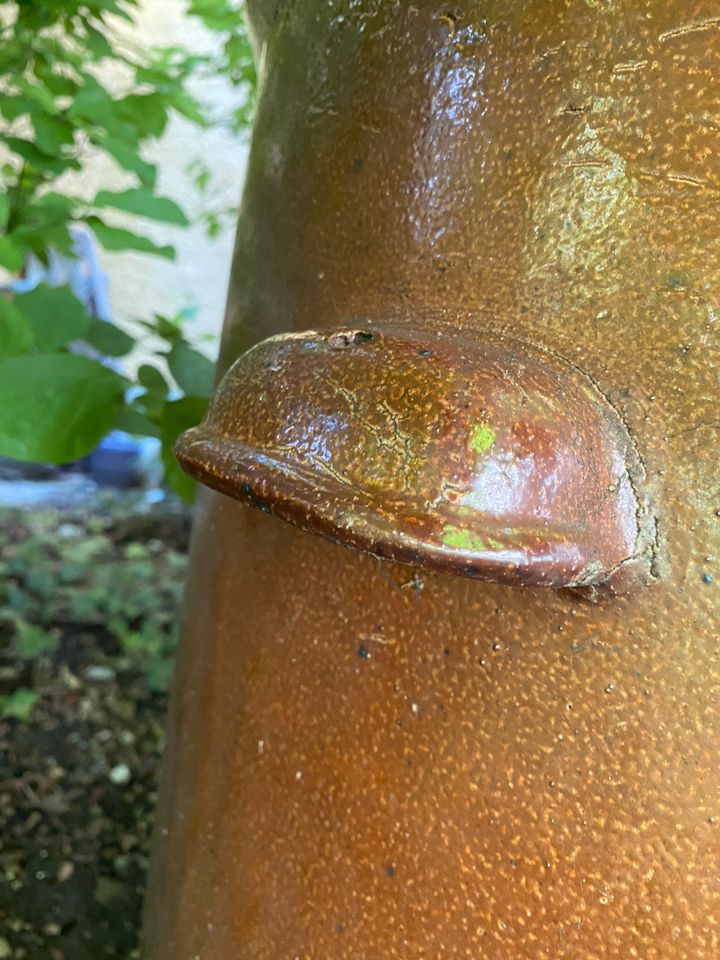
x=124, y=133
x=196, y=280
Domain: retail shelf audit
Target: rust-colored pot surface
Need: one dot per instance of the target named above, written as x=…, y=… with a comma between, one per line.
x=473, y=336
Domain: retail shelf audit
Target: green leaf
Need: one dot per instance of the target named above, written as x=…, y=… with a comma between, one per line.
x=193, y=372
x=18, y=705
x=108, y=339
x=216, y=14
x=160, y=673
x=40, y=239
x=31, y=641
x=117, y=8
x=189, y=108
x=93, y=102
x=143, y=203
x=55, y=407
x=58, y=85
x=37, y=159
x=116, y=238
x=51, y=134
x=50, y=210
x=146, y=112
x=16, y=336
x=129, y=159
x=135, y=422
x=151, y=379
x=167, y=328
x=201, y=175
x=179, y=415
x=12, y=257
x=55, y=314
x=97, y=112
x=14, y=107
x=39, y=93
x=97, y=43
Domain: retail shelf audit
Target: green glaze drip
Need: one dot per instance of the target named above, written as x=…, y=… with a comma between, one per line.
x=461, y=539
x=482, y=438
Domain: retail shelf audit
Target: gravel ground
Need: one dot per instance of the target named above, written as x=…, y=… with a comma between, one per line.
x=82, y=689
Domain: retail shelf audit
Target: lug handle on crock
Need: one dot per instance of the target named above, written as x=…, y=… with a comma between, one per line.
x=489, y=459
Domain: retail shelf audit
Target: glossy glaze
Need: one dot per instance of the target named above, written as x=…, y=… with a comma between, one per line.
x=482, y=459
x=366, y=761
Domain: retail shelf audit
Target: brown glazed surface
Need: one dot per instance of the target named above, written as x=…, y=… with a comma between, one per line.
x=367, y=761
x=458, y=456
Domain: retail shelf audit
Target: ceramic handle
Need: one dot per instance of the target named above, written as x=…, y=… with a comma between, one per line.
x=489, y=460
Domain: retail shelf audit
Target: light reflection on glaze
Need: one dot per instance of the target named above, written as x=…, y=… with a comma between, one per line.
x=484, y=460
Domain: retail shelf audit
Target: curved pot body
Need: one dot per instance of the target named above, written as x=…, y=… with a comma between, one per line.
x=401, y=757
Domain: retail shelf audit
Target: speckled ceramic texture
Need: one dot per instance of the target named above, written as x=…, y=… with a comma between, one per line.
x=370, y=761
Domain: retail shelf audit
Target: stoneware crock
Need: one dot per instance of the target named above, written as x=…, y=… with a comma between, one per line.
x=449, y=677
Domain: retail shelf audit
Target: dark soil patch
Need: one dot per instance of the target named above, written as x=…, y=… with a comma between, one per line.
x=85, y=673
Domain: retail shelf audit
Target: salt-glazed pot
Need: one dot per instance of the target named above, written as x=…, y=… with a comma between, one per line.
x=449, y=680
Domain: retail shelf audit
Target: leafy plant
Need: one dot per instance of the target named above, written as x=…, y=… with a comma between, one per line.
x=55, y=405
x=19, y=704
x=55, y=589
